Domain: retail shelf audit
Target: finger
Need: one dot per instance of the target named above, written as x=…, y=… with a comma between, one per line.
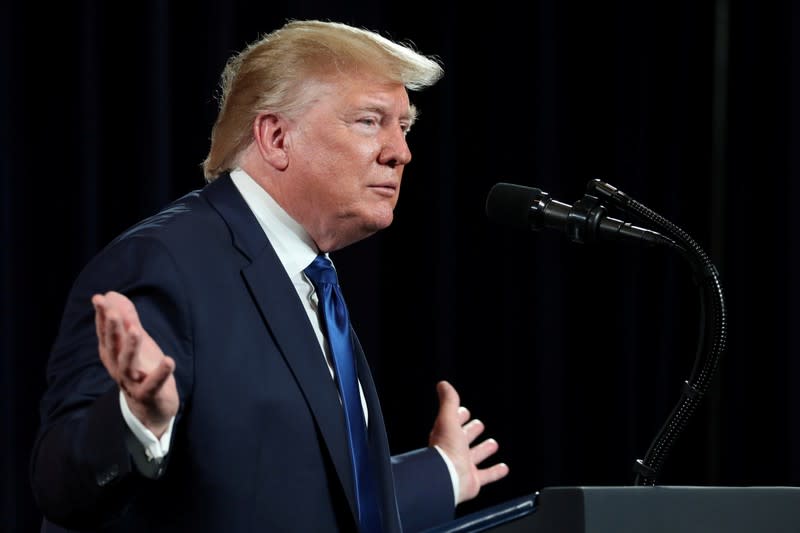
x=492, y=474
x=473, y=429
x=132, y=344
x=448, y=397
x=124, y=307
x=105, y=336
x=153, y=382
x=483, y=451
x=99, y=317
x=112, y=339
x=116, y=298
x=109, y=348
x=463, y=415
x=128, y=311
x=126, y=369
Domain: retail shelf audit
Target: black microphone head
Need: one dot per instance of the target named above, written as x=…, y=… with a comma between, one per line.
x=510, y=205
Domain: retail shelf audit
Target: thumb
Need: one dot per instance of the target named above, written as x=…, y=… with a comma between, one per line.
x=448, y=397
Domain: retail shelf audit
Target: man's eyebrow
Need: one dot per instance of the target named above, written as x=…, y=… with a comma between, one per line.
x=410, y=116
x=372, y=108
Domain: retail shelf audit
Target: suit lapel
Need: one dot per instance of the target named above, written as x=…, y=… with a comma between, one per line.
x=284, y=316
x=378, y=443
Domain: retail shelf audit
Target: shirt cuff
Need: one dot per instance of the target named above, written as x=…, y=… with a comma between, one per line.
x=451, y=469
x=154, y=448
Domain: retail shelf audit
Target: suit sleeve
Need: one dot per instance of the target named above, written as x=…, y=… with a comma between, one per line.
x=424, y=489
x=84, y=463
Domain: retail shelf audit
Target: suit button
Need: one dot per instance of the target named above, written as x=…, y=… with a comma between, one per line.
x=107, y=476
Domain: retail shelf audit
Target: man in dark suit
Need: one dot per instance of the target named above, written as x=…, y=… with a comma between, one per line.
x=198, y=391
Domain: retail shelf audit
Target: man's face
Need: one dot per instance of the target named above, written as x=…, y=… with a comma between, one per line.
x=347, y=152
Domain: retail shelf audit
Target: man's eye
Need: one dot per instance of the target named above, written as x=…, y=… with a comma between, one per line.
x=368, y=121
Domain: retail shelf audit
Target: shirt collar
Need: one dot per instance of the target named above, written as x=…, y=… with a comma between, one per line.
x=293, y=245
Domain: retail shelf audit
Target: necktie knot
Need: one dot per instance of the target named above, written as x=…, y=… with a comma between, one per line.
x=321, y=271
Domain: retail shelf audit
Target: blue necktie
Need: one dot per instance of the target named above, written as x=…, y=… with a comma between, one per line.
x=337, y=326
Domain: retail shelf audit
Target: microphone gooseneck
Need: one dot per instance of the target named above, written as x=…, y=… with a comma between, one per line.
x=712, y=341
x=586, y=220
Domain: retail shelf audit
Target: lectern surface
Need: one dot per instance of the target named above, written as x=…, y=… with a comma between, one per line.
x=661, y=509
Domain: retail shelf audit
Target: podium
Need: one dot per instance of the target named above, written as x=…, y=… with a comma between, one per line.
x=640, y=509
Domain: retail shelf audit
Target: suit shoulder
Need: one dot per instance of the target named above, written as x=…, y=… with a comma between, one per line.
x=186, y=214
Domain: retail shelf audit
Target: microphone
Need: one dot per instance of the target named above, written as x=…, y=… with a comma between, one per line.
x=584, y=221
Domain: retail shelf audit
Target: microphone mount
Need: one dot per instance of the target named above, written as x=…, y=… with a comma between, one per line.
x=584, y=221
x=588, y=221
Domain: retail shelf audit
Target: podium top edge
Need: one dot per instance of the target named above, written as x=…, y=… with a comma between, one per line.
x=673, y=487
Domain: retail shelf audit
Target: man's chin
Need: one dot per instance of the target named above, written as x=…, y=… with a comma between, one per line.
x=382, y=221
x=377, y=218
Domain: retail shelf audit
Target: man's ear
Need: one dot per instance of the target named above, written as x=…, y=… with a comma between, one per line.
x=269, y=134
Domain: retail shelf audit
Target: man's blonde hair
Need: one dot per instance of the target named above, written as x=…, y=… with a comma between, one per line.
x=270, y=74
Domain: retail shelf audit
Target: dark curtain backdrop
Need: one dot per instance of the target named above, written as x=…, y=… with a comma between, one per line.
x=573, y=355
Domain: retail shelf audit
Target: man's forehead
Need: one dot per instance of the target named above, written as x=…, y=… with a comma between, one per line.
x=362, y=93
x=382, y=98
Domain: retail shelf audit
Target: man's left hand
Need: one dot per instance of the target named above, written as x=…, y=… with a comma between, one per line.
x=454, y=433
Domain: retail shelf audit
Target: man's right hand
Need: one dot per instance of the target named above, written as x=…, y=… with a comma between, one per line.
x=135, y=362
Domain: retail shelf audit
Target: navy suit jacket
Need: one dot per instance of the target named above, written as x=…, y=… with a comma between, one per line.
x=259, y=442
